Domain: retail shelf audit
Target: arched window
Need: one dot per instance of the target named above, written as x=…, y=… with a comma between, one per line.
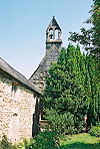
x=56, y=34
x=51, y=34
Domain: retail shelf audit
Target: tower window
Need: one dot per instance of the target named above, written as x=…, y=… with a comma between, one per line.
x=56, y=34
x=51, y=34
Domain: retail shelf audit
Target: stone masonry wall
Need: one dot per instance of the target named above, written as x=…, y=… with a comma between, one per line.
x=16, y=110
x=38, y=77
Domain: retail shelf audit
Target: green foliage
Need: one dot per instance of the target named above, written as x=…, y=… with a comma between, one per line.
x=61, y=123
x=26, y=144
x=90, y=38
x=45, y=140
x=95, y=131
x=93, y=91
x=65, y=91
x=72, y=90
x=5, y=144
x=85, y=38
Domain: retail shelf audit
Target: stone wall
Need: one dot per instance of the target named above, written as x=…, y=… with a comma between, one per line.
x=38, y=77
x=53, y=48
x=17, y=105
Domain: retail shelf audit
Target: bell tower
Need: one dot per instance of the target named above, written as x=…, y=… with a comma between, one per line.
x=53, y=34
x=53, y=47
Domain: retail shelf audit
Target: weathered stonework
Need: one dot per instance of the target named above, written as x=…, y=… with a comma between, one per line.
x=17, y=105
x=16, y=111
x=20, y=102
x=53, y=47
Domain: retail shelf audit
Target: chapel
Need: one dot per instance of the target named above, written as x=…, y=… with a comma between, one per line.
x=53, y=47
x=21, y=99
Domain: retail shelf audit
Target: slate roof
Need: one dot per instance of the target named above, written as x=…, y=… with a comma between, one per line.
x=54, y=23
x=5, y=67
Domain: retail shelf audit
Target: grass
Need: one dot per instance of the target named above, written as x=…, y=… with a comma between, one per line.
x=80, y=141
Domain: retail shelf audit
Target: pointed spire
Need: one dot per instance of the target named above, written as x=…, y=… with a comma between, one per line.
x=53, y=32
x=54, y=23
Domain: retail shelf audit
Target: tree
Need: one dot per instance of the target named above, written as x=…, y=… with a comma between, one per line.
x=90, y=38
x=93, y=87
x=72, y=92
x=64, y=92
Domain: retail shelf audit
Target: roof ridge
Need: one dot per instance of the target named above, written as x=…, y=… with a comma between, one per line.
x=17, y=75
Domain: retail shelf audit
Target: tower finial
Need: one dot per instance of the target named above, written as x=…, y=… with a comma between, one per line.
x=53, y=16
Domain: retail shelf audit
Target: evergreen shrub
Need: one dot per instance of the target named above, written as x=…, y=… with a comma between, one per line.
x=46, y=140
x=95, y=131
x=60, y=123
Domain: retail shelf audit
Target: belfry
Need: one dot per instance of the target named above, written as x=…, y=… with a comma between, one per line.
x=53, y=47
x=53, y=34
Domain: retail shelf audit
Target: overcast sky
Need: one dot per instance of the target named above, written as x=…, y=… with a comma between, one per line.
x=23, y=24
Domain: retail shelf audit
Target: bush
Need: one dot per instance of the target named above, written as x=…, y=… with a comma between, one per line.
x=5, y=144
x=61, y=123
x=95, y=131
x=25, y=144
x=45, y=140
x=79, y=124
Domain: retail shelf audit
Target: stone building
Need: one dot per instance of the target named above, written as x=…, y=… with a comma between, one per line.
x=20, y=99
x=53, y=47
x=19, y=104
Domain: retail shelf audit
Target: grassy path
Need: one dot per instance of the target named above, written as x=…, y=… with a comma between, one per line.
x=80, y=141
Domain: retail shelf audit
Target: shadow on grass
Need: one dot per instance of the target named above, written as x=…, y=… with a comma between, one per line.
x=79, y=145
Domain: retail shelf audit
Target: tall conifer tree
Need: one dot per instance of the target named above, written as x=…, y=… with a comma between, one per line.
x=64, y=90
x=72, y=87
